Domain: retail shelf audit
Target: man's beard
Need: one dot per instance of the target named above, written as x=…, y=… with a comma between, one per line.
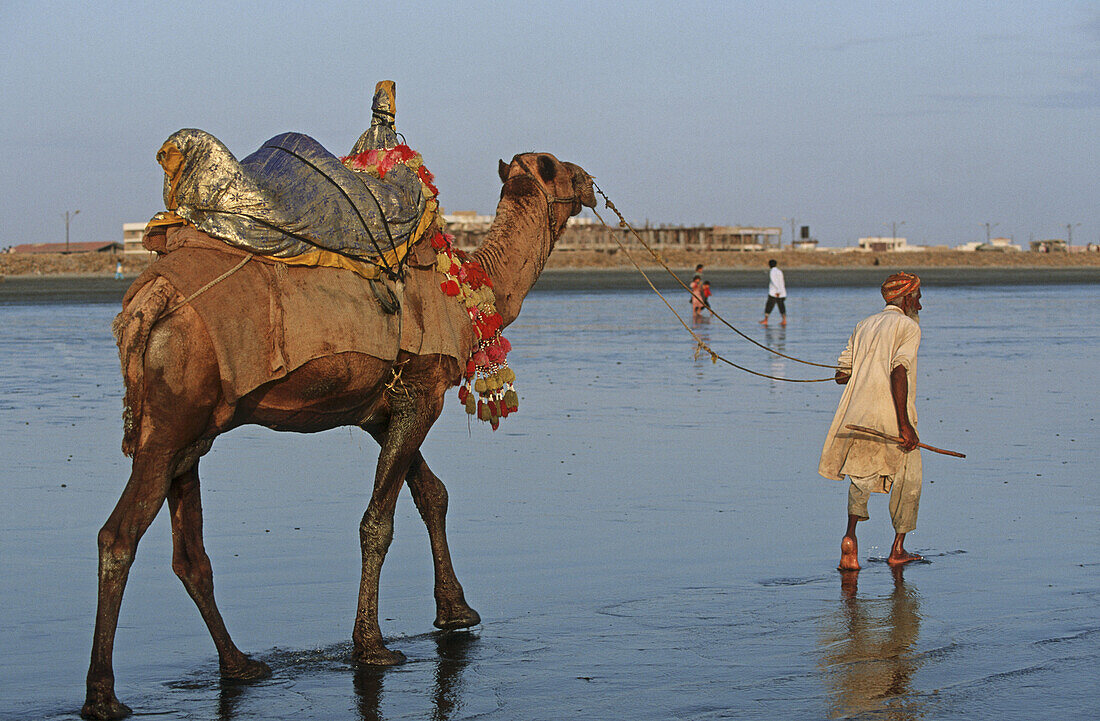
x=913, y=313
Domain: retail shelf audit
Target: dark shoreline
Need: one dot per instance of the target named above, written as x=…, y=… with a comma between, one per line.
x=818, y=277
x=105, y=289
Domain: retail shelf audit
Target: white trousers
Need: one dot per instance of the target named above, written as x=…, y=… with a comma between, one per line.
x=904, y=489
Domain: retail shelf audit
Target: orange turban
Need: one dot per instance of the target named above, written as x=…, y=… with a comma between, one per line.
x=899, y=285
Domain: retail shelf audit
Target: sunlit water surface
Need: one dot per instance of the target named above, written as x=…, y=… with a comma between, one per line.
x=646, y=539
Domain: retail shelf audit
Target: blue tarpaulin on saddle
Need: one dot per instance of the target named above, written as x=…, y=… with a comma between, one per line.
x=289, y=198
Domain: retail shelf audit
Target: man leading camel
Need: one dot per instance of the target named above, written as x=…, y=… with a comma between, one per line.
x=878, y=368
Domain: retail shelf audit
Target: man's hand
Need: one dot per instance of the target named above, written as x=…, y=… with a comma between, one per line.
x=908, y=435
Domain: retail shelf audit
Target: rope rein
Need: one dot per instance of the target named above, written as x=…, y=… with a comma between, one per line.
x=208, y=286
x=701, y=345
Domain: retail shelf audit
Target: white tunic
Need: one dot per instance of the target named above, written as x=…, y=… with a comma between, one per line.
x=776, y=287
x=879, y=344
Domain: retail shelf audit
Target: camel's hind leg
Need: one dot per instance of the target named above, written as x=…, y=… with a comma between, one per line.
x=430, y=496
x=140, y=502
x=177, y=400
x=192, y=565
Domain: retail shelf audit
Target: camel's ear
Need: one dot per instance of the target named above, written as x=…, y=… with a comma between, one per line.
x=502, y=170
x=547, y=169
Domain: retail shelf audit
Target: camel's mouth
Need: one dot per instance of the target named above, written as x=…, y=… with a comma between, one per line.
x=582, y=186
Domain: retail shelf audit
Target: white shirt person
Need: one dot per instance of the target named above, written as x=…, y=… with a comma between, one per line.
x=777, y=293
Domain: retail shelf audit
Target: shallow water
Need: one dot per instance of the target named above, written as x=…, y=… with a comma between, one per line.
x=646, y=539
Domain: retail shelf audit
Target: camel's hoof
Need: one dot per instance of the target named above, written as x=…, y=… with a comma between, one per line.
x=459, y=618
x=249, y=670
x=105, y=708
x=380, y=656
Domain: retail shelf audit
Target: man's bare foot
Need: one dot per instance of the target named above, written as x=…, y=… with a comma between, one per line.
x=764, y=322
x=849, y=554
x=898, y=558
x=784, y=322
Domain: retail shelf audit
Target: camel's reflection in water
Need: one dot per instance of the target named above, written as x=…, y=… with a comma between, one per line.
x=454, y=653
x=868, y=652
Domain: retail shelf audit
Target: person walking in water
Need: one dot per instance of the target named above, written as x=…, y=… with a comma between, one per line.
x=697, y=301
x=878, y=369
x=118, y=270
x=777, y=293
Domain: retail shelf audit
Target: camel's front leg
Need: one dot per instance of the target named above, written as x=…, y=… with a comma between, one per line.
x=430, y=496
x=410, y=418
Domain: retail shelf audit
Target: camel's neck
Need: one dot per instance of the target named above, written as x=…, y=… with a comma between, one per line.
x=515, y=251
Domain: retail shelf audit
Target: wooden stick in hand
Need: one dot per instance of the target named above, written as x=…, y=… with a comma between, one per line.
x=896, y=439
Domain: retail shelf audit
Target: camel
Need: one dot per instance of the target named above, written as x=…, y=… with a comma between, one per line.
x=182, y=411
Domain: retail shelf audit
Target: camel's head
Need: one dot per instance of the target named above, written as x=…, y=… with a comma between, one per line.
x=557, y=182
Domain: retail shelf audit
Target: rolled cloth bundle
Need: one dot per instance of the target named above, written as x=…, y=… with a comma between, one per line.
x=899, y=285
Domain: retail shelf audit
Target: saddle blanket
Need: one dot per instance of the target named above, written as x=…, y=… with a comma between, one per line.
x=267, y=318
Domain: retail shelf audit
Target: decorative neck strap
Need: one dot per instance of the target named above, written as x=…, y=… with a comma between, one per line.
x=487, y=373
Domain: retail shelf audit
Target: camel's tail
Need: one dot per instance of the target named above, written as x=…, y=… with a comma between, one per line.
x=131, y=328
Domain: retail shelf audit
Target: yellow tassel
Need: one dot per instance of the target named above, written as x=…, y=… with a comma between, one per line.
x=507, y=375
x=480, y=385
x=471, y=404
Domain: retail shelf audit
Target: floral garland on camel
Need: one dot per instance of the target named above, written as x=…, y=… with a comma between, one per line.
x=487, y=373
x=487, y=389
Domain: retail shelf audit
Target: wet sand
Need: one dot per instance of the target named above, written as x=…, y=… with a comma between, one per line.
x=646, y=539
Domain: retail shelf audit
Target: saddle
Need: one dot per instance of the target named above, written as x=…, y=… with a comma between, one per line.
x=295, y=201
x=291, y=198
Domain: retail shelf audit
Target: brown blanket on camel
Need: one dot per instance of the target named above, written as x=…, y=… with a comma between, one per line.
x=267, y=318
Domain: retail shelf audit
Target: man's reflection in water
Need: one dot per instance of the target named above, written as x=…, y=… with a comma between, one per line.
x=454, y=650
x=701, y=355
x=776, y=338
x=868, y=656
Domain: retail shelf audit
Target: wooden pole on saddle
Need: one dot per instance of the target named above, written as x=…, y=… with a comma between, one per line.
x=896, y=439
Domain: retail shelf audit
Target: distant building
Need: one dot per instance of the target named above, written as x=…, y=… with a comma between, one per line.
x=1054, y=245
x=469, y=229
x=467, y=220
x=1001, y=245
x=741, y=237
x=91, y=247
x=131, y=239
x=803, y=241
x=882, y=244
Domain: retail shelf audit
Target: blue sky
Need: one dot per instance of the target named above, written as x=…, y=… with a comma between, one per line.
x=847, y=116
